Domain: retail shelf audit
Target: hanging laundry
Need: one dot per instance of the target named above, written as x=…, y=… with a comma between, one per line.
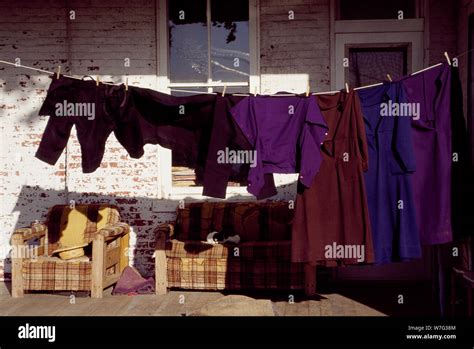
x=387, y=117
x=90, y=108
x=332, y=215
x=182, y=124
x=285, y=133
x=432, y=139
x=225, y=136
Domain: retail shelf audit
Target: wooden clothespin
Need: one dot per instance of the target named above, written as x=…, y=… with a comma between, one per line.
x=126, y=83
x=389, y=78
x=307, y=89
x=347, y=87
x=223, y=90
x=447, y=57
x=98, y=80
x=255, y=92
x=59, y=72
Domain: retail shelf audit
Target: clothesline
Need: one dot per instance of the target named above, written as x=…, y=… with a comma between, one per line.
x=48, y=72
x=202, y=92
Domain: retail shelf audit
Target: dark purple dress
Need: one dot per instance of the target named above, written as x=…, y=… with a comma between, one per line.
x=286, y=133
x=433, y=152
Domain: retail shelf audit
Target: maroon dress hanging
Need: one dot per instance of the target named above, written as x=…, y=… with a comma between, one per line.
x=332, y=213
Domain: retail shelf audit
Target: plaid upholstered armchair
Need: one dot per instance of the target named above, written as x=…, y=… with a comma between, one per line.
x=63, y=258
x=262, y=259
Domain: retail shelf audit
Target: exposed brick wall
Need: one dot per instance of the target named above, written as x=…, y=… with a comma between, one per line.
x=103, y=35
x=96, y=42
x=37, y=36
x=294, y=50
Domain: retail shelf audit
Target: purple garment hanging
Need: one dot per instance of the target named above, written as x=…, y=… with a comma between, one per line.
x=433, y=152
x=286, y=134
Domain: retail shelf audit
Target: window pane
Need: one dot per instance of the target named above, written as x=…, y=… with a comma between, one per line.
x=230, y=40
x=371, y=65
x=188, y=44
x=376, y=9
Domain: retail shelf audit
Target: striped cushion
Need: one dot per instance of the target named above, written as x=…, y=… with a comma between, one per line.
x=230, y=274
x=75, y=226
x=252, y=221
x=56, y=275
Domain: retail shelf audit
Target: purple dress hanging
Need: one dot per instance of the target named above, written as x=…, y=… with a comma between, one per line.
x=433, y=152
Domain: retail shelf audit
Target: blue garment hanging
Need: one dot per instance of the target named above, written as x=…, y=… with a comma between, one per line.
x=388, y=180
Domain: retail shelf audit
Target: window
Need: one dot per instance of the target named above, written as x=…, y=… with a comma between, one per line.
x=188, y=41
x=376, y=9
x=374, y=42
x=205, y=45
x=369, y=65
x=209, y=44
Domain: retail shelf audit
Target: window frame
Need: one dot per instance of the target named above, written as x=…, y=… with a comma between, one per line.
x=377, y=32
x=337, y=6
x=165, y=189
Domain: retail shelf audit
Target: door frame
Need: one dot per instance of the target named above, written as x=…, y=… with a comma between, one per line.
x=366, y=33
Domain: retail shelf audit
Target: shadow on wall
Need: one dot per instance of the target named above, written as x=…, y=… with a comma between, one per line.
x=141, y=213
x=34, y=202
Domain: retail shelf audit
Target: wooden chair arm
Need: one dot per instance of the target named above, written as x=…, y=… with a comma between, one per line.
x=165, y=231
x=114, y=230
x=36, y=230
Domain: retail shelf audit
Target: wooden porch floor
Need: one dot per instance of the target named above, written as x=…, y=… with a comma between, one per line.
x=169, y=305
